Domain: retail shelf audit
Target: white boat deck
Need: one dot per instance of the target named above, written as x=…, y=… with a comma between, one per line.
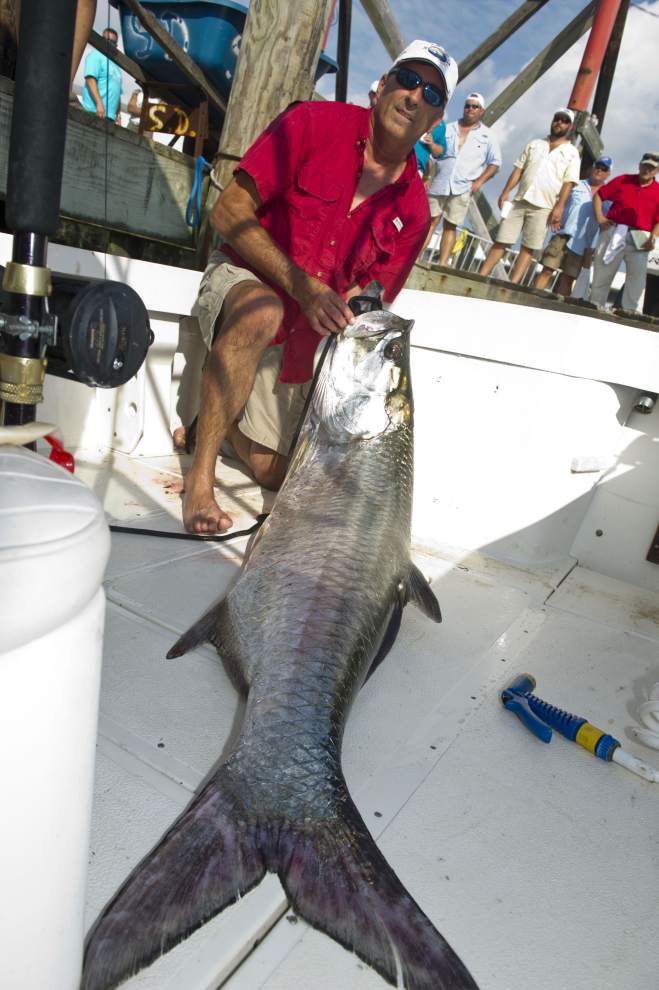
x=538, y=863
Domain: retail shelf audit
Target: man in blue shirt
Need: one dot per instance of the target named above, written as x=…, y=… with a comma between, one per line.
x=433, y=143
x=102, y=91
x=472, y=157
x=573, y=240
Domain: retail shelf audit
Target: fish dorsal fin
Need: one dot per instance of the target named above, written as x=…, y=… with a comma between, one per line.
x=420, y=592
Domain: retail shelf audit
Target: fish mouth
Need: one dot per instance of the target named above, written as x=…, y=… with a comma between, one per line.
x=374, y=325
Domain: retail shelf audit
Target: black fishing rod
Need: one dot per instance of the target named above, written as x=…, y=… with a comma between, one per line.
x=88, y=330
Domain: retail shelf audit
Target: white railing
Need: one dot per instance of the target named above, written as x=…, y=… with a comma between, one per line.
x=470, y=251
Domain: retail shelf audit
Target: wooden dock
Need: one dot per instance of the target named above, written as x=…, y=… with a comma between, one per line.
x=123, y=184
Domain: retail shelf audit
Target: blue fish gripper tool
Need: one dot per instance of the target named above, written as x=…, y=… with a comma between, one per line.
x=541, y=719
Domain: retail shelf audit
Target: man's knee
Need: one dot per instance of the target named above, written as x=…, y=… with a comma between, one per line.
x=252, y=314
x=268, y=467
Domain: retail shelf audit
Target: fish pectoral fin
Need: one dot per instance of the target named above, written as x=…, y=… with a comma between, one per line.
x=420, y=592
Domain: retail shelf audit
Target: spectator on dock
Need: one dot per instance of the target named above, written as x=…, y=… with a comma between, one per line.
x=570, y=248
x=430, y=146
x=102, y=91
x=326, y=200
x=628, y=231
x=545, y=172
x=471, y=159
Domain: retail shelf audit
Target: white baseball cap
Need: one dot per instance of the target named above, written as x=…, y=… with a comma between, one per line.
x=374, y=86
x=428, y=51
x=476, y=98
x=565, y=112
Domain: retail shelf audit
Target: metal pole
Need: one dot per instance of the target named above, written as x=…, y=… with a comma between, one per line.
x=605, y=81
x=605, y=16
x=34, y=179
x=343, y=50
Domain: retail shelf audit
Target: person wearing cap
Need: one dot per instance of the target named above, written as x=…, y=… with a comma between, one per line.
x=629, y=231
x=325, y=201
x=567, y=248
x=471, y=158
x=545, y=173
x=373, y=93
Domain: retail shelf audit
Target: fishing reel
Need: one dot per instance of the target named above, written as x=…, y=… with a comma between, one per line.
x=96, y=332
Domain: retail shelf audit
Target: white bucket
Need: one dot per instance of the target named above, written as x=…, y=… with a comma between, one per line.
x=54, y=545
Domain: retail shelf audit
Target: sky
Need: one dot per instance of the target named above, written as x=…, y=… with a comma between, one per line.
x=630, y=127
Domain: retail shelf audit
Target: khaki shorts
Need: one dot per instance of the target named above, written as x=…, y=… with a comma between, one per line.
x=272, y=412
x=528, y=220
x=454, y=208
x=558, y=255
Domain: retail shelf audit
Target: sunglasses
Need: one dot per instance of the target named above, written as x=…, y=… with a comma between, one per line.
x=562, y=120
x=409, y=79
x=472, y=106
x=601, y=168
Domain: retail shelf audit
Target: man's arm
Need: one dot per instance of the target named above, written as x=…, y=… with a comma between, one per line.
x=599, y=215
x=92, y=85
x=484, y=177
x=234, y=217
x=652, y=236
x=513, y=180
x=556, y=215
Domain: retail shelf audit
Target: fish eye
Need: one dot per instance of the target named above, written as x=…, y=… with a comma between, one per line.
x=393, y=351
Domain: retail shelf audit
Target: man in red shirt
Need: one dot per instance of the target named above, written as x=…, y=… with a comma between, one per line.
x=325, y=201
x=629, y=231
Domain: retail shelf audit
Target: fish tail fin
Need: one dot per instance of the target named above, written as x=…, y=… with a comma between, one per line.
x=207, y=860
x=339, y=882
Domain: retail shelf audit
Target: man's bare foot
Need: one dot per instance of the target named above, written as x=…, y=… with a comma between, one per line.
x=202, y=514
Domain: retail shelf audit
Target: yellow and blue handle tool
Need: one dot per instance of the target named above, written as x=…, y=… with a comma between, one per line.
x=541, y=719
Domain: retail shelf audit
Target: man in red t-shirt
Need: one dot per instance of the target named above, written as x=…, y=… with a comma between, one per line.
x=628, y=231
x=325, y=201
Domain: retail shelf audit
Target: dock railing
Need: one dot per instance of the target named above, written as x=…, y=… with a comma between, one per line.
x=470, y=251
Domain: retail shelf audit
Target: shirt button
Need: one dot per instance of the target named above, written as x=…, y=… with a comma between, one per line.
x=319, y=274
x=332, y=243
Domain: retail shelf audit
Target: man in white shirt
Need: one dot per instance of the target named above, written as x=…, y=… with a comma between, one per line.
x=471, y=157
x=545, y=172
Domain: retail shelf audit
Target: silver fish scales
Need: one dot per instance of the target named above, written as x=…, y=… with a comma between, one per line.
x=315, y=609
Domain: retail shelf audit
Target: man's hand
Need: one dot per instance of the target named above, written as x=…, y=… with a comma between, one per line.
x=325, y=309
x=605, y=224
x=475, y=186
x=555, y=218
x=649, y=244
x=503, y=198
x=100, y=111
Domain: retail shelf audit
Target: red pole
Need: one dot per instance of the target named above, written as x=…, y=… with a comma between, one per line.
x=593, y=56
x=329, y=24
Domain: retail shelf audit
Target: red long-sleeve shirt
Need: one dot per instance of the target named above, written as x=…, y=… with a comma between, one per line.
x=306, y=166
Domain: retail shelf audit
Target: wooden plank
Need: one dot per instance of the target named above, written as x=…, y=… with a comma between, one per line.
x=502, y=33
x=8, y=37
x=101, y=44
x=264, y=84
x=382, y=19
x=176, y=53
x=114, y=177
x=541, y=63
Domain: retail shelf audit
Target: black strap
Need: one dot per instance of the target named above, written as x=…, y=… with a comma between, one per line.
x=221, y=538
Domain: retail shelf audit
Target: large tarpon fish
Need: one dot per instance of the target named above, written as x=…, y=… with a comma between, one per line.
x=315, y=609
